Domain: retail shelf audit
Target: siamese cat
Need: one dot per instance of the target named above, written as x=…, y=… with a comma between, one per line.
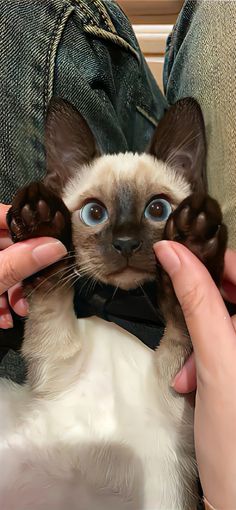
x=97, y=425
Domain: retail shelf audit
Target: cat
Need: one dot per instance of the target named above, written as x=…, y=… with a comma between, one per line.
x=97, y=425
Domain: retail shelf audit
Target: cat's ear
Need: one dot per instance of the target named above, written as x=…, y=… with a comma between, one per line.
x=179, y=140
x=69, y=144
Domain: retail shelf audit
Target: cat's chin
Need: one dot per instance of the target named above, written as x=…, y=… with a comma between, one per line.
x=129, y=278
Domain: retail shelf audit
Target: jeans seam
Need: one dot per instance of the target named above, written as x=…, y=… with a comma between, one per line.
x=55, y=38
x=87, y=12
x=109, y=36
x=105, y=16
x=145, y=114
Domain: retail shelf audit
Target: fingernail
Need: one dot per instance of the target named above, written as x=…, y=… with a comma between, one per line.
x=22, y=307
x=6, y=321
x=48, y=253
x=176, y=378
x=167, y=257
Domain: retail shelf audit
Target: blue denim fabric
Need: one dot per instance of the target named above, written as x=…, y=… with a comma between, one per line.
x=84, y=51
x=200, y=63
x=173, y=45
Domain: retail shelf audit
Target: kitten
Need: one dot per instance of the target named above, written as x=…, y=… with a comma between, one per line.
x=97, y=425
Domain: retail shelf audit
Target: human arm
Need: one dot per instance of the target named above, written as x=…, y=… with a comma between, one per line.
x=213, y=336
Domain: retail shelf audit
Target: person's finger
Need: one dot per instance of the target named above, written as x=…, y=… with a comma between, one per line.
x=233, y=319
x=23, y=259
x=17, y=301
x=3, y=211
x=206, y=316
x=230, y=266
x=228, y=291
x=5, y=239
x=186, y=380
x=6, y=321
x=228, y=288
x=214, y=341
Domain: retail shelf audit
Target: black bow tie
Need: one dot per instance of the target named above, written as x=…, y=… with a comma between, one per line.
x=135, y=310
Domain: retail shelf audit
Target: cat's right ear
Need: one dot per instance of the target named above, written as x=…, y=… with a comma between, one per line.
x=179, y=140
x=69, y=144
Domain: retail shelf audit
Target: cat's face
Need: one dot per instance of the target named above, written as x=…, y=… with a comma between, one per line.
x=120, y=203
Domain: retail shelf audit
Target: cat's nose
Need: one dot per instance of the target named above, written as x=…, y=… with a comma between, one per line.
x=127, y=245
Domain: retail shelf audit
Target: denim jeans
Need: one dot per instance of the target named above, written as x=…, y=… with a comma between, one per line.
x=200, y=62
x=86, y=52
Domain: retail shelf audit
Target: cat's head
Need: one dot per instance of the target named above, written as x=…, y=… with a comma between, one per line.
x=120, y=203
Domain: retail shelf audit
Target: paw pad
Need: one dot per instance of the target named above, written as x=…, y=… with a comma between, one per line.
x=197, y=223
x=35, y=212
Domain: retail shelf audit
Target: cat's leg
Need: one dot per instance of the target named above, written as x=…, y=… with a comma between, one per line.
x=51, y=335
x=196, y=223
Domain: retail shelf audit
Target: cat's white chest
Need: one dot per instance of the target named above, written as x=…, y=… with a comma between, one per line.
x=117, y=381
x=105, y=442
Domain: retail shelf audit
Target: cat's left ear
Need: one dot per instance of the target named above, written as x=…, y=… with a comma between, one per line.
x=69, y=144
x=179, y=140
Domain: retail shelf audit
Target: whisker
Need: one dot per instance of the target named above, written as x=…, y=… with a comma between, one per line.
x=91, y=285
x=61, y=283
x=155, y=310
x=65, y=270
x=84, y=285
x=67, y=280
x=115, y=291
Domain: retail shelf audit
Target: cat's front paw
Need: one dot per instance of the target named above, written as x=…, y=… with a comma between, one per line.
x=37, y=212
x=197, y=223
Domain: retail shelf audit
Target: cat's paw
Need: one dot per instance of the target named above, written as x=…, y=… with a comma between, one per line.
x=197, y=223
x=37, y=212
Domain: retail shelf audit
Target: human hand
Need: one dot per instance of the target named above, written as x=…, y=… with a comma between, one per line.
x=185, y=381
x=213, y=335
x=18, y=261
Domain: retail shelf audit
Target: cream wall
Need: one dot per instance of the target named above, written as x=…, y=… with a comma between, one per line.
x=151, y=11
x=152, y=22
x=152, y=40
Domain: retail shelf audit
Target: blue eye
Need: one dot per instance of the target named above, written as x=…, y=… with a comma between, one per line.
x=158, y=209
x=93, y=213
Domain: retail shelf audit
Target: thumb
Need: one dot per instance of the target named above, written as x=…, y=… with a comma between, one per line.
x=186, y=380
x=20, y=260
x=205, y=314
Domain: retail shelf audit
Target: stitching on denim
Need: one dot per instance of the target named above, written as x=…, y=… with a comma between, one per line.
x=123, y=12
x=55, y=38
x=104, y=34
x=104, y=15
x=145, y=114
x=87, y=12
